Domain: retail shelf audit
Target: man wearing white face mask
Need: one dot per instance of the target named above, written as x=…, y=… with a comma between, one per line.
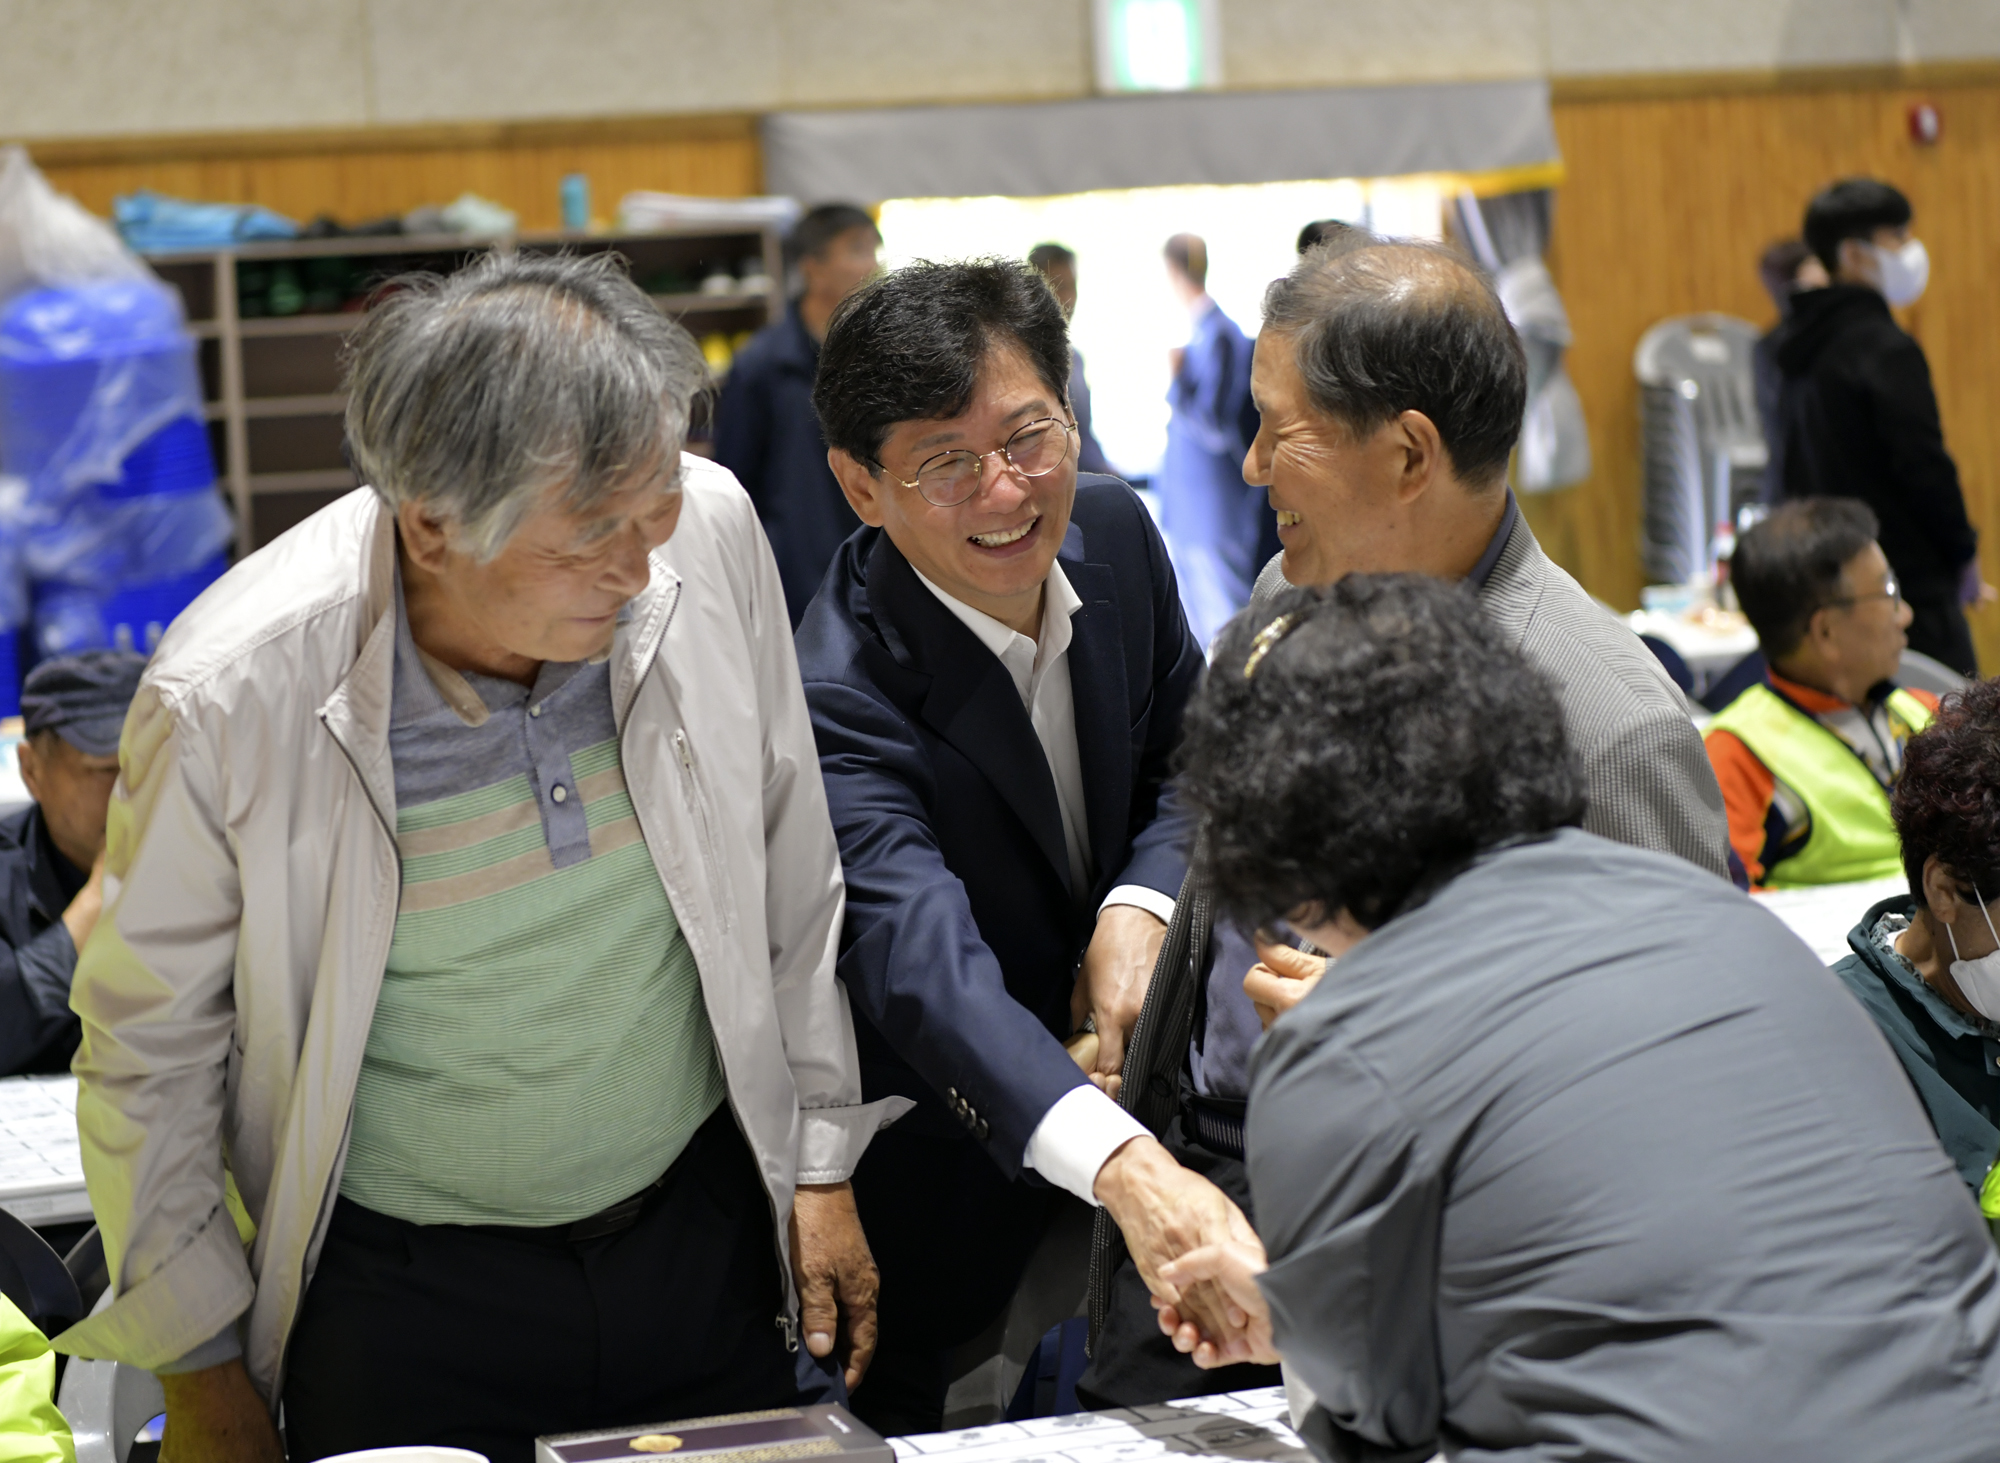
x=1927, y=964
x=1858, y=418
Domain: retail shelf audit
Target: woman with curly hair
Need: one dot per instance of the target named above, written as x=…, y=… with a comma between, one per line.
x=1927, y=964
x=1573, y=1152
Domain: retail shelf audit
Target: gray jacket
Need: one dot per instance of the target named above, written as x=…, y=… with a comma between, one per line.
x=1589, y=1157
x=252, y=882
x=1651, y=784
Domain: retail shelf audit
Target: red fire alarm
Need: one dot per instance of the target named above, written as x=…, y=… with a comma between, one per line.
x=1926, y=123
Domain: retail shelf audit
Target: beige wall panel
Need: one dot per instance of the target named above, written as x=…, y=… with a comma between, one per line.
x=465, y=60
x=107, y=67
x=1955, y=30
x=451, y=60
x=1590, y=37
x=1313, y=42
x=886, y=51
x=117, y=67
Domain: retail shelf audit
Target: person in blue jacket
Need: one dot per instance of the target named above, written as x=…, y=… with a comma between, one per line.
x=1213, y=519
x=52, y=851
x=995, y=670
x=765, y=430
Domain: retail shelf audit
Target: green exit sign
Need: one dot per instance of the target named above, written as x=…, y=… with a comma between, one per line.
x=1157, y=45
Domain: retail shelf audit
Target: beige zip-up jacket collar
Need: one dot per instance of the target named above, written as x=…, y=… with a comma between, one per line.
x=253, y=880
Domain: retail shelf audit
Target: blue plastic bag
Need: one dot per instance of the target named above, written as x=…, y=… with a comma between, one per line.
x=13, y=597
x=153, y=223
x=101, y=416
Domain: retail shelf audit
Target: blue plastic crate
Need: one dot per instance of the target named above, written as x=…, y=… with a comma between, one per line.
x=10, y=671
x=69, y=619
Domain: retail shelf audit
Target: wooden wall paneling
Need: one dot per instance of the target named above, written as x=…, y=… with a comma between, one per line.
x=1667, y=204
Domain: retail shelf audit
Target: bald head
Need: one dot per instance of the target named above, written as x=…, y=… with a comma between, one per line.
x=1378, y=328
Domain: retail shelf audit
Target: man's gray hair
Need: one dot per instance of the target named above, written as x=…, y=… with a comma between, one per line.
x=1381, y=326
x=480, y=393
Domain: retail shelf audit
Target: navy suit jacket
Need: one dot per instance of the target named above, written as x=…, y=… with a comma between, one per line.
x=38, y=1032
x=767, y=433
x=963, y=935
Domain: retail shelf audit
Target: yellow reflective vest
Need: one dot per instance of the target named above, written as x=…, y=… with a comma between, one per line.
x=31, y=1430
x=1852, y=835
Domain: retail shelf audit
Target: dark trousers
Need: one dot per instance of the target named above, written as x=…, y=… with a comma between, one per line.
x=485, y=1337
x=1133, y=1363
x=1938, y=629
x=951, y=1235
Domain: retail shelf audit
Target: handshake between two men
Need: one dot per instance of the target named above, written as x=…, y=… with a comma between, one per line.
x=1208, y=1301
x=1163, y=1210
x=1193, y=1247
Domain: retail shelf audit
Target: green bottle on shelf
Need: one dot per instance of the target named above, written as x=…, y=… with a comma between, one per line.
x=287, y=296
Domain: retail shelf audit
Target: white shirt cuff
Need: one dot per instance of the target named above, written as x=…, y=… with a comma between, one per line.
x=1158, y=905
x=1075, y=1137
x=222, y=1346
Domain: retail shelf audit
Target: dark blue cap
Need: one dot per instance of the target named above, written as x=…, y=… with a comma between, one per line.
x=82, y=698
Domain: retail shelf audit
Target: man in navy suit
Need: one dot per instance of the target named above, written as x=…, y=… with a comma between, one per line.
x=996, y=667
x=1214, y=520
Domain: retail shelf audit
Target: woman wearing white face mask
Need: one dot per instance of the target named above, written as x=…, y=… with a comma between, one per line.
x=1857, y=416
x=1927, y=964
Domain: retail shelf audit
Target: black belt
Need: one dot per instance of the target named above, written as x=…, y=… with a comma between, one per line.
x=613, y=1218
x=1215, y=1123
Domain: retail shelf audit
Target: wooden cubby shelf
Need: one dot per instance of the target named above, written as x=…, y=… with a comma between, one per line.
x=272, y=380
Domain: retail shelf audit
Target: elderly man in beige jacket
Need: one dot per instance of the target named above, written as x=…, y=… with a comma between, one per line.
x=471, y=912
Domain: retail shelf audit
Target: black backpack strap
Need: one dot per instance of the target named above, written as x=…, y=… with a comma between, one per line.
x=1155, y=1055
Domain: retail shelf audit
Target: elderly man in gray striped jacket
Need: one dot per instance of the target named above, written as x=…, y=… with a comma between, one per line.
x=1391, y=387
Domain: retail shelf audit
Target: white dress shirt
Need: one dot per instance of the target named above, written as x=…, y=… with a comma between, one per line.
x=1084, y=1128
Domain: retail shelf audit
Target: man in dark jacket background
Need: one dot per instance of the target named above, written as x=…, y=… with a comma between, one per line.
x=1858, y=417
x=52, y=851
x=765, y=429
x=1784, y=268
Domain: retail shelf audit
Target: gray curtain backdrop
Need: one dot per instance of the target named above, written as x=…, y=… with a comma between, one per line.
x=1035, y=149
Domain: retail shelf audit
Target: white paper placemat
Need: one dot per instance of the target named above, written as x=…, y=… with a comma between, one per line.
x=1249, y=1427
x=1822, y=916
x=41, y=1168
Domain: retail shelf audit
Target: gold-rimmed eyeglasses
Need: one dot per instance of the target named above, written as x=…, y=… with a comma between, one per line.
x=949, y=478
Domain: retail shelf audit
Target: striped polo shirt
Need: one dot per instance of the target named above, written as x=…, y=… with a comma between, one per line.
x=540, y=1048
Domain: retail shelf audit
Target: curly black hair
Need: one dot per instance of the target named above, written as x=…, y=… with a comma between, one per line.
x=1361, y=742
x=1947, y=801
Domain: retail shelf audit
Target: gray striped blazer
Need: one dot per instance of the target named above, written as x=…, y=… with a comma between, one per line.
x=1650, y=781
